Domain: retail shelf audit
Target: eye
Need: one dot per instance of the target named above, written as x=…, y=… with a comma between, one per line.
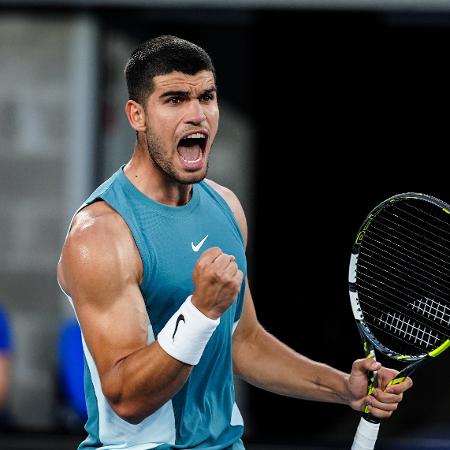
x=174, y=100
x=207, y=97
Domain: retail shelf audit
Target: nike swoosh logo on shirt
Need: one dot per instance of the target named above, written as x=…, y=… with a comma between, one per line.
x=197, y=247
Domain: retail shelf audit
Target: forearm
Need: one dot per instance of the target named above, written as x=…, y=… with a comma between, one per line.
x=139, y=384
x=266, y=362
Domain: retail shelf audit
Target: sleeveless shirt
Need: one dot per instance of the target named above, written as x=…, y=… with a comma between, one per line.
x=203, y=414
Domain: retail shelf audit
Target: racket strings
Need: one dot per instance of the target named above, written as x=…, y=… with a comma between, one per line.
x=376, y=314
x=389, y=272
x=375, y=317
x=386, y=275
x=415, y=252
x=437, y=250
x=416, y=260
x=397, y=262
x=415, y=213
x=433, y=309
x=403, y=276
x=403, y=332
x=438, y=313
x=408, y=331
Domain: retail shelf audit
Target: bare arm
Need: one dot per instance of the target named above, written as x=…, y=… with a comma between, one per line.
x=264, y=361
x=100, y=268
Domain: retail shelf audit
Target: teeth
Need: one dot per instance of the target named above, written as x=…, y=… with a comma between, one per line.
x=192, y=162
x=195, y=136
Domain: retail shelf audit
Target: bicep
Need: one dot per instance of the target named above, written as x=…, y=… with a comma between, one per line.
x=114, y=323
x=100, y=276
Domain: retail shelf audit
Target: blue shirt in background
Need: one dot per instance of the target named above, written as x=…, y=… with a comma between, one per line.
x=5, y=334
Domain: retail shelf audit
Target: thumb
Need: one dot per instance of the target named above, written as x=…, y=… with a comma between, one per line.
x=363, y=365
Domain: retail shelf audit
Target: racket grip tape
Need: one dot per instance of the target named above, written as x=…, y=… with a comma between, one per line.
x=366, y=435
x=396, y=381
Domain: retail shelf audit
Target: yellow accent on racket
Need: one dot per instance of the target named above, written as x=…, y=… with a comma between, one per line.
x=440, y=349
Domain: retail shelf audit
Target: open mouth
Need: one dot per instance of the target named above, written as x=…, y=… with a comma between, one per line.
x=191, y=147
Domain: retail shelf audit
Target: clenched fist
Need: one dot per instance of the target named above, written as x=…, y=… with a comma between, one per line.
x=217, y=280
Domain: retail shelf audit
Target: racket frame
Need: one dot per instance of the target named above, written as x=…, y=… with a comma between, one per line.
x=370, y=342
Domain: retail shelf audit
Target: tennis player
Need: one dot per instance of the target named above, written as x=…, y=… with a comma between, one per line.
x=154, y=264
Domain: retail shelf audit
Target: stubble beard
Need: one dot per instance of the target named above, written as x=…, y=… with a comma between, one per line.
x=156, y=152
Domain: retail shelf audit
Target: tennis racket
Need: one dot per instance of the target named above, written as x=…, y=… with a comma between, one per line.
x=399, y=285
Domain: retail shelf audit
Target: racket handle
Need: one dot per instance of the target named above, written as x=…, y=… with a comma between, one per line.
x=366, y=435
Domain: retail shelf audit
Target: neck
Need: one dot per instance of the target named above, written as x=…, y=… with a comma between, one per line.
x=151, y=181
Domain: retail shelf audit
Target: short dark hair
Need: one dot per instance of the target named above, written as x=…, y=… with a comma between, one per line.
x=160, y=56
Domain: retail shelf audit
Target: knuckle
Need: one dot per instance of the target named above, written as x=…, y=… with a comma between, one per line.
x=216, y=277
x=237, y=279
x=200, y=265
x=226, y=279
x=202, y=262
x=385, y=414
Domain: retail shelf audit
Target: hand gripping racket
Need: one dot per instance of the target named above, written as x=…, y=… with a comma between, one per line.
x=399, y=284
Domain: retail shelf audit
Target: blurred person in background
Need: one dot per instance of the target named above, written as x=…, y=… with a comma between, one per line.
x=5, y=367
x=155, y=266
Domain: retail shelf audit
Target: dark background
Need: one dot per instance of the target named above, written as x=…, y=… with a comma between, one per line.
x=349, y=107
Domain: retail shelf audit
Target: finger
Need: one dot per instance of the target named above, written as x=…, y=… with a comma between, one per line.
x=362, y=366
x=385, y=375
x=239, y=277
x=209, y=255
x=379, y=409
x=231, y=269
x=380, y=413
x=399, y=388
x=386, y=397
x=223, y=261
x=237, y=281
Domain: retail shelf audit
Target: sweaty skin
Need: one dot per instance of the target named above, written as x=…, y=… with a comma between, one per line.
x=101, y=269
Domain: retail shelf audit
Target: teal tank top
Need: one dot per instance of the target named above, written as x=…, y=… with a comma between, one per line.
x=203, y=414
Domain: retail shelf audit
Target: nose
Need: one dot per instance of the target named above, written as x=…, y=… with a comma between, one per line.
x=196, y=114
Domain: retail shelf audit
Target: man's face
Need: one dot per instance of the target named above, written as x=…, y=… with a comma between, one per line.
x=182, y=117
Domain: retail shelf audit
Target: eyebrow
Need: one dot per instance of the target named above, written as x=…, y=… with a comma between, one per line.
x=186, y=93
x=210, y=90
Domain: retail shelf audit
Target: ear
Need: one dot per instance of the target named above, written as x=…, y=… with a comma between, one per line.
x=136, y=115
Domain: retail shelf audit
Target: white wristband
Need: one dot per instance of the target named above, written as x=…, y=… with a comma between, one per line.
x=186, y=333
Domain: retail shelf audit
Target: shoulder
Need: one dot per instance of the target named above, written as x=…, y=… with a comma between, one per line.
x=95, y=218
x=96, y=225
x=233, y=202
x=99, y=244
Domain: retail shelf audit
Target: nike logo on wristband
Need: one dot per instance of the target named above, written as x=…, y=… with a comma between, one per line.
x=179, y=319
x=197, y=247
